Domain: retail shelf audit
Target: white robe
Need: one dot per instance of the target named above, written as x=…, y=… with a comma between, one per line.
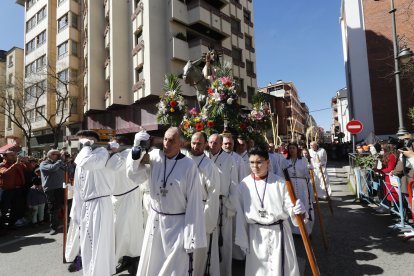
x=262, y=244
x=128, y=211
x=319, y=160
x=245, y=157
x=210, y=183
x=168, y=238
x=93, y=211
x=277, y=164
x=300, y=179
x=228, y=192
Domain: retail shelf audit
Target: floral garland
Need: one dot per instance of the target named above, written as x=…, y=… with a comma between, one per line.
x=171, y=108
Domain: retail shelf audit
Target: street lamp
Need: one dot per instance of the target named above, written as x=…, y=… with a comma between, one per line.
x=404, y=56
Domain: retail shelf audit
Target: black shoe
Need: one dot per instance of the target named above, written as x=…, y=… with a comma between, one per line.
x=53, y=232
x=76, y=265
x=133, y=268
x=123, y=264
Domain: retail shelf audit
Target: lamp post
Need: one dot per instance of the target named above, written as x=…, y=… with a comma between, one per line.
x=404, y=56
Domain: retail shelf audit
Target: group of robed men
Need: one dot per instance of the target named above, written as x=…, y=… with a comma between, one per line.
x=205, y=207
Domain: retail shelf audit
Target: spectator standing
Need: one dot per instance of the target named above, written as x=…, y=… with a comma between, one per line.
x=36, y=199
x=53, y=175
x=12, y=180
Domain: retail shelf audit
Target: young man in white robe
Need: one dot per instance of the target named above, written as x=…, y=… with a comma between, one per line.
x=319, y=159
x=206, y=259
x=228, y=200
x=176, y=225
x=128, y=213
x=300, y=179
x=92, y=207
x=263, y=230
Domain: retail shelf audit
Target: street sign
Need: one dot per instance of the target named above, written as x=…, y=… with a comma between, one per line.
x=354, y=126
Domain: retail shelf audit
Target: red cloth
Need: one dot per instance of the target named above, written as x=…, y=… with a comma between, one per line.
x=12, y=175
x=387, y=168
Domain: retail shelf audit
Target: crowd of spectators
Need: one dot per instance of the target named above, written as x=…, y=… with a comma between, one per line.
x=31, y=189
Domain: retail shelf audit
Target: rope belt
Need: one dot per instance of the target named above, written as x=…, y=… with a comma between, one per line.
x=208, y=264
x=220, y=240
x=128, y=191
x=96, y=198
x=282, y=241
x=166, y=214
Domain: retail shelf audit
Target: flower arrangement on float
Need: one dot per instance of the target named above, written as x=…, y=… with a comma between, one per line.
x=172, y=107
x=196, y=122
x=260, y=117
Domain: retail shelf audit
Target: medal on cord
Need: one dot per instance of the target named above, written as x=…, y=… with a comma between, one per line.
x=262, y=211
x=163, y=190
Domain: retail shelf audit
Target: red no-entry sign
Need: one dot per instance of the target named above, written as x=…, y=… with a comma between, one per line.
x=354, y=126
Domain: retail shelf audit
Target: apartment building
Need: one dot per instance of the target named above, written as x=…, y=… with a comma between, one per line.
x=297, y=113
x=14, y=87
x=135, y=43
x=3, y=78
x=110, y=57
x=340, y=116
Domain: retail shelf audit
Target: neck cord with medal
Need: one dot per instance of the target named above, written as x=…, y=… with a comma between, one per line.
x=163, y=190
x=221, y=151
x=199, y=163
x=262, y=212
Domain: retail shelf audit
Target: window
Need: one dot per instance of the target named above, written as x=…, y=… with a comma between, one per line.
x=62, y=50
x=41, y=14
x=30, y=23
x=30, y=68
x=30, y=3
x=235, y=26
x=74, y=48
x=248, y=41
x=41, y=38
x=236, y=54
x=39, y=112
x=40, y=88
x=74, y=104
x=10, y=61
x=40, y=63
x=62, y=22
x=247, y=16
x=60, y=2
x=240, y=87
x=10, y=78
x=250, y=94
x=74, y=20
x=249, y=68
x=138, y=74
x=30, y=46
x=138, y=37
x=136, y=3
x=63, y=76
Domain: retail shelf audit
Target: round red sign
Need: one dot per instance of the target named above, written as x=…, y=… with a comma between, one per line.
x=354, y=126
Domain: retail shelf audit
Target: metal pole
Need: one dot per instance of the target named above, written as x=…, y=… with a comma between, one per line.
x=401, y=128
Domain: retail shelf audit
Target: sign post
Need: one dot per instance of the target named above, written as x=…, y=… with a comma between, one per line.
x=354, y=127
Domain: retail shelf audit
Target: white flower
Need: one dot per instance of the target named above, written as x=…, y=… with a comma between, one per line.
x=229, y=100
x=216, y=97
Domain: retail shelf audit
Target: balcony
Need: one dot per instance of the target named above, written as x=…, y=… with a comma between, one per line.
x=138, y=57
x=138, y=18
x=107, y=38
x=138, y=89
x=179, y=49
x=85, y=49
x=208, y=20
x=106, y=9
x=179, y=11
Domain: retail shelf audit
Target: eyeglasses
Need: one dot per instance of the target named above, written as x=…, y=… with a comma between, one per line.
x=258, y=162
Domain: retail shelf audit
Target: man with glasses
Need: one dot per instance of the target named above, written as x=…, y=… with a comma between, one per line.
x=52, y=172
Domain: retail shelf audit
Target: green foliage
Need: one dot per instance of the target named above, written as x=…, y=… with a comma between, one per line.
x=366, y=161
x=411, y=114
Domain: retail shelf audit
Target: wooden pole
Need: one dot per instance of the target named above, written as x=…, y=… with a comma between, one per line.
x=65, y=213
x=302, y=228
x=324, y=184
x=318, y=210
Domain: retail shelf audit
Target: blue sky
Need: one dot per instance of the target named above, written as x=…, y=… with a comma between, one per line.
x=296, y=40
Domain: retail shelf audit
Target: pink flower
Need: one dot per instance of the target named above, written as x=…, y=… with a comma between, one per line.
x=227, y=81
x=193, y=111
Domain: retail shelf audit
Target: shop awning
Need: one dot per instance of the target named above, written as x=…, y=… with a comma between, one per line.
x=7, y=147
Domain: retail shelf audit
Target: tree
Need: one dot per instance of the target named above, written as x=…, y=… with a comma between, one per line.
x=43, y=96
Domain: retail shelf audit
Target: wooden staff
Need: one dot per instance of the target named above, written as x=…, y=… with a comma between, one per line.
x=324, y=184
x=318, y=210
x=65, y=212
x=302, y=228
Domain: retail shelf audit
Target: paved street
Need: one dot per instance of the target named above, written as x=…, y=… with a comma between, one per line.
x=361, y=243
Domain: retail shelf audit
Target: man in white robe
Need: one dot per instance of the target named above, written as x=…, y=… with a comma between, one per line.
x=241, y=150
x=92, y=207
x=319, y=159
x=128, y=213
x=176, y=224
x=206, y=259
x=277, y=161
x=228, y=146
x=263, y=230
x=228, y=200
